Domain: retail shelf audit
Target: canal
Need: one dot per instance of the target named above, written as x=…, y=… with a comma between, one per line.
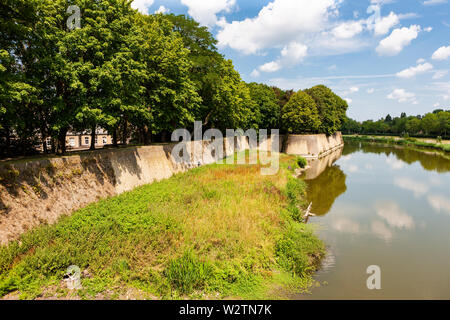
x=382, y=206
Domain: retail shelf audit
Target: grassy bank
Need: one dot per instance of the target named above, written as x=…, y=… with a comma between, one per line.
x=410, y=142
x=220, y=231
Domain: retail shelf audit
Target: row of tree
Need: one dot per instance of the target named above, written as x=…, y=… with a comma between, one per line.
x=139, y=76
x=436, y=123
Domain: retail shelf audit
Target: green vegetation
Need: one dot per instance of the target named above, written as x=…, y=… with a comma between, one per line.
x=137, y=76
x=411, y=142
x=219, y=231
x=300, y=114
x=435, y=124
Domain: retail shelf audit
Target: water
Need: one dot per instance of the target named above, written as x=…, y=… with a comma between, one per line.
x=383, y=206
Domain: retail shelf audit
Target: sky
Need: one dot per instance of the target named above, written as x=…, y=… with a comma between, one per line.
x=382, y=56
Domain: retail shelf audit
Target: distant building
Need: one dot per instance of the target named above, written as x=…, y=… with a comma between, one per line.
x=82, y=140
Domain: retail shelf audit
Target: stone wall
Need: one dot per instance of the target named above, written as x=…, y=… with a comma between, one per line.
x=313, y=146
x=39, y=191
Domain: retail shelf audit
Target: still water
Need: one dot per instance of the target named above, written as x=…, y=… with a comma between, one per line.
x=382, y=206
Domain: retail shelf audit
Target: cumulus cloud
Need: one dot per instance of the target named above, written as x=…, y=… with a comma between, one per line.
x=276, y=25
x=291, y=55
x=417, y=187
x=442, y=53
x=394, y=215
x=348, y=30
x=413, y=71
x=385, y=24
x=162, y=9
x=205, y=12
x=142, y=5
x=401, y=95
x=397, y=40
x=440, y=203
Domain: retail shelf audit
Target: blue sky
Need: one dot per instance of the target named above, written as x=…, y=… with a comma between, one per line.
x=383, y=56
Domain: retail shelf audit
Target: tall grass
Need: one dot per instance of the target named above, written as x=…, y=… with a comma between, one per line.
x=217, y=231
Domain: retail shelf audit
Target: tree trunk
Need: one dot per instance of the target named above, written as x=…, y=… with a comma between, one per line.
x=114, y=138
x=8, y=140
x=62, y=141
x=93, y=135
x=146, y=136
x=125, y=132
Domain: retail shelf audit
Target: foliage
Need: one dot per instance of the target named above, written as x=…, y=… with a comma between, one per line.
x=300, y=114
x=434, y=124
x=331, y=108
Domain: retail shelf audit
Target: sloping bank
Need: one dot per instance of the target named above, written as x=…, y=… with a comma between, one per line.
x=216, y=231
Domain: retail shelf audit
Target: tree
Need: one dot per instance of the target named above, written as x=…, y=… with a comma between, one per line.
x=332, y=109
x=413, y=126
x=300, y=114
x=269, y=111
x=430, y=123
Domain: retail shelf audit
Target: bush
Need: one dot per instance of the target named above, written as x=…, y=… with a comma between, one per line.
x=302, y=163
x=439, y=139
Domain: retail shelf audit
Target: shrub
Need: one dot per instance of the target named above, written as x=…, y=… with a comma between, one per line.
x=302, y=163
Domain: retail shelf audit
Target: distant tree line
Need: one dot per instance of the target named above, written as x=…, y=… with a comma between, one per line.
x=137, y=76
x=434, y=124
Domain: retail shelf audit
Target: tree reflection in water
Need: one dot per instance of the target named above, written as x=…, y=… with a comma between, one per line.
x=326, y=182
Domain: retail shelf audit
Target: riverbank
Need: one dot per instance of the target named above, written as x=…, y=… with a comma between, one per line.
x=218, y=231
x=410, y=142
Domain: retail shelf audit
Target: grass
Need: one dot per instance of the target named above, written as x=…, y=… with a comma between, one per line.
x=410, y=142
x=219, y=231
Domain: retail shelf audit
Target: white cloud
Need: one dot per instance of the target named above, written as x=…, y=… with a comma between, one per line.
x=440, y=203
x=397, y=40
x=255, y=73
x=278, y=23
x=395, y=164
x=205, y=12
x=402, y=96
x=142, y=5
x=442, y=53
x=433, y=2
x=383, y=25
x=354, y=89
x=162, y=9
x=421, y=60
x=440, y=74
x=348, y=30
x=409, y=184
x=270, y=67
x=413, y=71
x=394, y=215
x=370, y=90
x=349, y=101
x=381, y=231
x=291, y=55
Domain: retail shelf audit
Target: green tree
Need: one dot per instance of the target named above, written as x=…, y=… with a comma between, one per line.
x=269, y=111
x=332, y=109
x=300, y=114
x=430, y=123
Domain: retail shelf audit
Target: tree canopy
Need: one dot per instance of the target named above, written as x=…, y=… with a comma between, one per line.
x=137, y=76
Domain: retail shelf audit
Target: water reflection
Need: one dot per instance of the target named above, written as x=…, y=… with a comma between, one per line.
x=429, y=160
x=387, y=206
x=326, y=182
